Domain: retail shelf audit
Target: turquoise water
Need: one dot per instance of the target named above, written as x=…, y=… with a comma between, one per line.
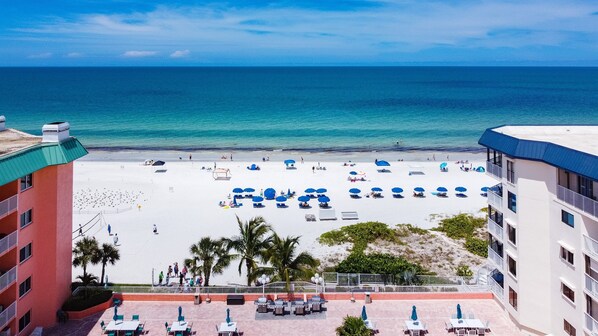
x=295, y=108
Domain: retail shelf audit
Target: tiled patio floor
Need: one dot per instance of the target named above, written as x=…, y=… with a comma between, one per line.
x=389, y=317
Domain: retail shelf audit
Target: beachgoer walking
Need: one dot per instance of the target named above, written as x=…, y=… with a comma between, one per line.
x=302, y=160
x=262, y=192
x=155, y=229
x=214, y=165
x=190, y=157
x=169, y=270
x=181, y=278
x=176, y=269
x=184, y=271
x=109, y=230
x=313, y=169
x=80, y=230
x=160, y=277
x=231, y=156
x=116, y=239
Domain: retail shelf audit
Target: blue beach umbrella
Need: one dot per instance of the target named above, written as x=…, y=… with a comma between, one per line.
x=238, y=190
x=324, y=199
x=180, y=312
x=249, y=190
x=364, y=314
x=377, y=189
x=419, y=189
x=310, y=190
x=270, y=193
x=397, y=190
x=459, y=313
x=257, y=199
x=460, y=189
x=281, y=199
x=485, y=189
x=441, y=189
x=304, y=198
x=228, y=315
x=352, y=173
x=413, y=314
x=382, y=163
x=354, y=191
x=321, y=190
x=289, y=162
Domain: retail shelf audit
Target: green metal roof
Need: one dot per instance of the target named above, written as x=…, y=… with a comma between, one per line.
x=36, y=157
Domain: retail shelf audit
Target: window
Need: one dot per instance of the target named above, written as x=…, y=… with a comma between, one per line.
x=585, y=186
x=568, y=292
x=26, y=218
x=25, y=253
x=512, y=266
x=569, y=330
x=512, y=201
x=511, y=171
x=513, y=298
x=567, y=255
x=512, y=234
x=26, y=182
x=24, y=321
x=25, y=287
x=567, y=218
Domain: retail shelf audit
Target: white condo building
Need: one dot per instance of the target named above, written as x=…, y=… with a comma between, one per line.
x=543, y=226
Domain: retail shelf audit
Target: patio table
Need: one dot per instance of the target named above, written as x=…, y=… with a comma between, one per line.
x=467, y=323
x=414, y=325
x=179, y=326
x=227, y=328
x=122, y=326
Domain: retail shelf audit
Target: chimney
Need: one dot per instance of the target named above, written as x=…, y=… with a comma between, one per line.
x=2, y=123
x=55, y=132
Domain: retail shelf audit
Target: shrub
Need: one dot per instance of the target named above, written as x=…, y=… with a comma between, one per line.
x=403, y=230
x=464, y=271
x=353, y=326
x=81, y=302
x=461, y=226
x=477, y=246
x=359, y=234
x=377, y=263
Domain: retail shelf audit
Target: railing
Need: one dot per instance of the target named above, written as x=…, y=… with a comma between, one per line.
x=591, y=324
x=6, y=332
x=497, y=259
x=494, y=169
x=591, y=246
x=495, y=229
x=359, y=279
x=592, y=286
x=8, y=314
x=8, y=205
x=8, y=278
x=494, y=199
x=8, y=242
x=496, y=288
x=579, y=201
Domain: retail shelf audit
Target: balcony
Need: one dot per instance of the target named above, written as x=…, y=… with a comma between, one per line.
x=579, y=201
x=8, y=278
x=8, y=314
x=591, y=324
x=591, y=246
x=496, y=258
x=494, y=199
x=592, y=286
x=8, y=205
x=494, y=169
x=495, y=229
x=496, y=288
x=8, y=242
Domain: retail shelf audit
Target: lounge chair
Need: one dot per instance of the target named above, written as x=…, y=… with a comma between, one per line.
x=300, y=309
x=488, y=326
x=481, y=331
x=135, y=318
x=448, y=327
x=279, y=310
x=327, y=214
x=414, y=332
x=316, y=307
x=347, y=215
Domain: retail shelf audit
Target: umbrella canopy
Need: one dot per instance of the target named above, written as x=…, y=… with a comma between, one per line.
x=324, y=199
x=441, y=189
x=376, y=189
x=442, y=166
x=310, y=190
x=115, y=312
x=461, y=189
x=303, y=198
x=238, y=190
x=228, y=315
x=281, y=199
x=269, y=193
x=419, y=189
x=289, y=162
x=158, y=163
x=352, y=173
x=364, y=314
x=180, y=311
x=249, y=190
x=413, y=314
x=257, y=199
x=354, y=191
x=485, y=189
x=459, y=313
x=382, y=163
x=397, y=190
x=321, y=190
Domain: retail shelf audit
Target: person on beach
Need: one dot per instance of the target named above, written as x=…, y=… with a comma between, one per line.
x=160, y=278
x=190, y=157
x=231, y=156
x=169, y=270
x=155, y=229
x=181, y=278
x=302, y=160
x=116, y=239
x=176, y=269
x=80, y=230
x=200, y=281
x=313, y=169
x=214, y=165
x=109, y=230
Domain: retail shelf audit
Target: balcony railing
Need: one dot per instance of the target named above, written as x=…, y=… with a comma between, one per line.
x=8, y=205
x=579, y=201
x=591, y=324
x=495, y=229
x=496, y=288
x=497, y=259
x=592, y=286
x=494, y=169
x=8, y=278
x=8, y=314
x=494, y=199
x=591, y=246
x=8, y=242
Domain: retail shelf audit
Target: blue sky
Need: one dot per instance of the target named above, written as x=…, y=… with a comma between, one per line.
x=300, y=32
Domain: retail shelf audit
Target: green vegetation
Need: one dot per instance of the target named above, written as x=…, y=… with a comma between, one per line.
x=404, y=230
x=360, y=234
x=208, y=256
x=86, y=298
x=353, y=326
x=477, y=246
x=464, y=271
x=377, y=263
x=88, y=252
x=461, y=226
x=286, y=264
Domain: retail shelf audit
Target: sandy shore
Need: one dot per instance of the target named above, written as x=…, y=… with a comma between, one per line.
x=183, y=203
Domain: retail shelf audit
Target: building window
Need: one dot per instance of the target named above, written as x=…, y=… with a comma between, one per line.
x=569, y=330
x=26, y=182
x=512, y=234
x=512, y=201
x=24, y=321
x=585, y=186
x=26, y=218
x=25, y=253
x=567, y=218
x=25, y=287
x=567, y=256
x=568, y=292
x=512, y=266
x=513, y=298
x=511, y=171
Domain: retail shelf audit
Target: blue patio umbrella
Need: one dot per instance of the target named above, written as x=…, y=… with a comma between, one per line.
x=352, y=173
x=115, y=312
x=413, y=314
x=270, y=193
x=382, y=163
x=303, y=198
x=441, y=189
x=397, y=190
x=281, y=199
x=180, y=312
x=238, y=190
x=289, y=162
x=310, y=190
x=461, y=189
x=354, y=191
x=419, y=189
x=321, y=190
x=249, y=190
x=324, y=199
x=376, y=189
x=459, y=313
x=364, y=314
x=485, y=189
x=257, y=199
x=228, y=315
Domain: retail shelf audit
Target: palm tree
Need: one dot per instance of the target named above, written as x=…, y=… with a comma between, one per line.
x=84, y=254
x=353, y=326
x=286, y=264
x=209, y=256
x=251, y=244
x=107, y=254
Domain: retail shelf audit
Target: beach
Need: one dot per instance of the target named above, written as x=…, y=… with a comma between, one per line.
x=182, y=199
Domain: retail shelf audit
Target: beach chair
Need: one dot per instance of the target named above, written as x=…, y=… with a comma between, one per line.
x=189, y=328
x=460, y=332
x=140, y=328
x=472, y=332
x=128, y=333
x=414, y=332
x=168, y=328
x=488, y=326
x=135, y=318
x=120, y=317
x=481, y=331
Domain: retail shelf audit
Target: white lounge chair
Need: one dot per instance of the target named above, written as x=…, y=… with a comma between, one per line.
x=348, y=215
x=327, y=214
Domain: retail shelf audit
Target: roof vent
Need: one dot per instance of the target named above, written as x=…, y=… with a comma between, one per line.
x=2, y=123
x=55, y=132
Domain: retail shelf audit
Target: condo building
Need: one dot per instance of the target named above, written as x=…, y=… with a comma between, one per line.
x=543, y=226
x=36, y=190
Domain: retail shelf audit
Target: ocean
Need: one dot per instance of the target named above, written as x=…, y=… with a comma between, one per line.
x=294, y=108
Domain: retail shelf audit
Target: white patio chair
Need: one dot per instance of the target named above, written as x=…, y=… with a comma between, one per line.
x=481, y=331
x=460, y=332
x=472, y=332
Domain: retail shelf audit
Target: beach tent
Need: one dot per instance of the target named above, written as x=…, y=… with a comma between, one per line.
x=270, y=193
x=221, y=174
x=444, y=167
x=480, y=169
x=253, y=167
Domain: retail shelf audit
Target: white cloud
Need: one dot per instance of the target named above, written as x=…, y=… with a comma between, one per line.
x=139, y=53
x=42, y=55
x=74, y=55
x=180, y=53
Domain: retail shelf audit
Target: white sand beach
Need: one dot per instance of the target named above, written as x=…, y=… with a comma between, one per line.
x=183, y=203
